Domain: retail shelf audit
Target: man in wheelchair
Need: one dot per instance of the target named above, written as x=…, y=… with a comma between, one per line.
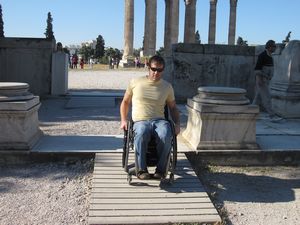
x=149, y=95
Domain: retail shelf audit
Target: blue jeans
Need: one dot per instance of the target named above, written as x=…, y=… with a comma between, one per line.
x=160, y=129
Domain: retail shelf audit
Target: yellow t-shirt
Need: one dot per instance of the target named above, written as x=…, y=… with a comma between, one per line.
x=149, y=98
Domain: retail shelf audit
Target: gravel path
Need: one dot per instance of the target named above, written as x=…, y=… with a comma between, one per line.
x=58, y=192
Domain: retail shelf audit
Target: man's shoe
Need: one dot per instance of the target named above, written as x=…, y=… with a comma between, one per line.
x=158, y=175
x=143, y=175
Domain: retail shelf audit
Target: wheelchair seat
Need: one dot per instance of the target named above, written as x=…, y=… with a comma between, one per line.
x=151, y=154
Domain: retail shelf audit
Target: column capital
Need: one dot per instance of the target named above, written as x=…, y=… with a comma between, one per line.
x=213, y=2
x=189, y=2
x=233, y=3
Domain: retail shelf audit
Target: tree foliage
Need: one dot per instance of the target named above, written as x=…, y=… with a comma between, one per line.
x=1, y=23
x=161, y=51
x=113, y=52
x=86, y=51
x=49, y=30
x=99, y=51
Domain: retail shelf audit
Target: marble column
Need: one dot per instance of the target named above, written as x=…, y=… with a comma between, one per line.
x=232, y=22
x=150, y=27
x=212, y=22
x=171, y=25
x=128, y=29
x=190, y=21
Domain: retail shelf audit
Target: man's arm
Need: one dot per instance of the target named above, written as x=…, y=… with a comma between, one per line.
x=124, y=109
x=175, y=115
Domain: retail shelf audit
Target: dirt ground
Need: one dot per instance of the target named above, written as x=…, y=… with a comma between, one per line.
x=45, y=193
x=253, y=195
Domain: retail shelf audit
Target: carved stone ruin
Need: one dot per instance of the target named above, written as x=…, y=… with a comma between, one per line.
x=285, y=84
x=18, y=117
x=221, y=118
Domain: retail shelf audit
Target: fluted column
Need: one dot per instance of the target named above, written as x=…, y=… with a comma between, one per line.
x=150, y=27
x=128, y=29
x=190, y=21
x=232, y=22
x=171, y=25
x=212, y=22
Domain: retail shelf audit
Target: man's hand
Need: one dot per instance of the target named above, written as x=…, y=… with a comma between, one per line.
x=123, y=125
x=259, y=80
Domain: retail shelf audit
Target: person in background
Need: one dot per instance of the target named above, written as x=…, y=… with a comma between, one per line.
x=148, y=95
x=263, y=74
x=81, y=63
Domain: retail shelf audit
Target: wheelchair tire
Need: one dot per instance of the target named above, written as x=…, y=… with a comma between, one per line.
x=129, y=125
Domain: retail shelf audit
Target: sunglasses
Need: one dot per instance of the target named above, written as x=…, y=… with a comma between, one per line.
x=157, y=69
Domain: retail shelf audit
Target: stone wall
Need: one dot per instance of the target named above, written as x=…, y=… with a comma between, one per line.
x=195, y=65
x=27, y=60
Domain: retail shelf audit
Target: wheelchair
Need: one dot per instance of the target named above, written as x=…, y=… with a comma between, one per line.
x=151, y=154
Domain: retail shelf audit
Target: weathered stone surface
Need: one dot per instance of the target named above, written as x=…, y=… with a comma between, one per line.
x=19, y=129
x=27, y=60
x=215, y=125
x=195, y=65
x=18, y=117
x=10, y=91
x=285, y=85
x=59, y=84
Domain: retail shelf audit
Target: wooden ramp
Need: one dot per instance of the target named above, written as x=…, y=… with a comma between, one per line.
x=114, y=201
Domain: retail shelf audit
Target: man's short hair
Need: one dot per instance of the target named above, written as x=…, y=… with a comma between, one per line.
x=270, y=43
x=156, y=58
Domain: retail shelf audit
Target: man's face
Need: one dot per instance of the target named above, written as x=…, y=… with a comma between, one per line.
x=155, y=71
x=272, y=48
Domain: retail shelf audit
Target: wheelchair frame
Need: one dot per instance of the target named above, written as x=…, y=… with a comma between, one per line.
x=128, y=147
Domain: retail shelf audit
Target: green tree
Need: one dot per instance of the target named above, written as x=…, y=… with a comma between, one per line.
x=49, y=30
x=99, y=51
x=136, y=52
x=1, y=23
x=160, y=52
x=113, y=52
x=86, y=51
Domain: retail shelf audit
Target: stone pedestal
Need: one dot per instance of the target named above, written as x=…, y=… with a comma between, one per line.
x=221, y=118
x=59, y=84
x=285, y=85
x=125, y=63
x=18, y=117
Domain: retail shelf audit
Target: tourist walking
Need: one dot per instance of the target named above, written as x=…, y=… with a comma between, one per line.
x=263, y=74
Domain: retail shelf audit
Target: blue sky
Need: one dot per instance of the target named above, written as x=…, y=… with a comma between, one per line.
x=77, y=21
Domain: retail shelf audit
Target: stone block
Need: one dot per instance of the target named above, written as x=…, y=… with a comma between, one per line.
x=19, y=124
x=285, y=85
x=214, y=125
x=19, y=128
x=59, y=84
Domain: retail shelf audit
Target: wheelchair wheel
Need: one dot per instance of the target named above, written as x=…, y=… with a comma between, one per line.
x=171, y=178
x=127, y=145
x=129, y=178
x=124, y=148
x=173, y=157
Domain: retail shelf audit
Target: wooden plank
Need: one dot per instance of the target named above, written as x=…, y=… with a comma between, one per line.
x=114, y=201
x=132, y=206
x=210, y=219
x=153, y=212
x=178, y=200
x=141, y=185
x=114, y=195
